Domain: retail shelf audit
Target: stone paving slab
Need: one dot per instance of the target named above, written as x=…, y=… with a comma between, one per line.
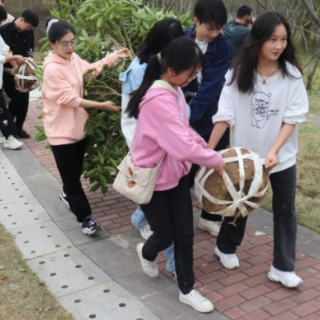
x=15, y=194
x=21, y=213
x=40, y=239
x=115, y=255
x=141, y=286
x=107, y=301
x=67, y=271
x=45, y=187
x=61, y=214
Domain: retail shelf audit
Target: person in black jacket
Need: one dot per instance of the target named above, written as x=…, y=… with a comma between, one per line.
x=7, y=126
x=19, y=36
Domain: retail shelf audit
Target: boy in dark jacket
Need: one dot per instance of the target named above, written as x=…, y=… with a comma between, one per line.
x=203, y=93
x=19, y=36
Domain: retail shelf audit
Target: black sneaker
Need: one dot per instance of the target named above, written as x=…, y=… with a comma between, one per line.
x=63, y=198
x=23, y=134
x=89, y=226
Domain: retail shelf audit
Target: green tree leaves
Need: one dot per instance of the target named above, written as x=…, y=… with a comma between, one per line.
x=104, y=26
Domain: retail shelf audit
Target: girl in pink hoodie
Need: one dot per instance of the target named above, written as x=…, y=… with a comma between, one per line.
x=163, y=132
x=64, y=114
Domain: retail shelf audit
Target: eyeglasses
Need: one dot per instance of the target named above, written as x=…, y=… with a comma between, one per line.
x=195, y=73
x=65, y=44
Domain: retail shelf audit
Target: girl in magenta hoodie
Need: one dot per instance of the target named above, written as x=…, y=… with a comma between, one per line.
x=163, y=132
x=64, y=114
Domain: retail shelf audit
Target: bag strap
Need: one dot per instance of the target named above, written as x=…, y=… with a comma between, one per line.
x=130, y=151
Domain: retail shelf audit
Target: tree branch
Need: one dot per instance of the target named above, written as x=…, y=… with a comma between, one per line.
x=258, y=2
x=310, y=8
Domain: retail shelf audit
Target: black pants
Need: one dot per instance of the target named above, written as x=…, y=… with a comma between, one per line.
x=7, y=126
x=19, y=103
x=223, y=144
x=283, y=185
x=170, y=216
x=69, y=160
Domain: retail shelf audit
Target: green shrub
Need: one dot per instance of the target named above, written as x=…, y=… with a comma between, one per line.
x=104, y=26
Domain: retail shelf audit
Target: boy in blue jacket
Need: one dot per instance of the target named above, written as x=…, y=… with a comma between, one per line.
x=203, y=93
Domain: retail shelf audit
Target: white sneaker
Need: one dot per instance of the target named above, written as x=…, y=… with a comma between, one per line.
x=12, y=143
x=146, y=232
x=288, y=279
x=229, y=261
x=149, y=268
x=196, y=301
x=3, y=139
x=212, y=227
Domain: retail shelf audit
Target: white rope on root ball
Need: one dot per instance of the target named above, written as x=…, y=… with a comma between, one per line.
x=236, y=201
x=25, y=79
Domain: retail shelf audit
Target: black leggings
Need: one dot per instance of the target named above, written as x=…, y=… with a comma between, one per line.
x=170, y=216
x=69, y=160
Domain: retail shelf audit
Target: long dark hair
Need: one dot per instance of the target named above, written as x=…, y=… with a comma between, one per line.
x=180, y=54
x=162, y=33
x=245, y=65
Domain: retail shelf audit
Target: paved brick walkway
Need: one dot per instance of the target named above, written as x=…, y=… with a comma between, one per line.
x=241, y=294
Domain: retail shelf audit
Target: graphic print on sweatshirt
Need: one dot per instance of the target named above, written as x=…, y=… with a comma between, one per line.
x=260, y=103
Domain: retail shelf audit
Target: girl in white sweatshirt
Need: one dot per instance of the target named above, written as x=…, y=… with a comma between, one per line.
x=263, y=102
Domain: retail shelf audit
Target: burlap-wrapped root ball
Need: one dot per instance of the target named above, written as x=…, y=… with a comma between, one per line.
x=25, y=79
x=239, y=190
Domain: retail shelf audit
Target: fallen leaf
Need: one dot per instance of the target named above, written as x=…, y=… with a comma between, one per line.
x=22, y=270
x=3, y=278
x=1, y=267
x=42, y=309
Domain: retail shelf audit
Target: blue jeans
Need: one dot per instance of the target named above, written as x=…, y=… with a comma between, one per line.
x=139, y=221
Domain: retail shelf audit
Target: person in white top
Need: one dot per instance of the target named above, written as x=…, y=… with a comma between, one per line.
x=7, y=127
x=9, y=18
x=263, y=101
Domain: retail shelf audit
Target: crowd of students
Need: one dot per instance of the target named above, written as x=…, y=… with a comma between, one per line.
x=180, y=98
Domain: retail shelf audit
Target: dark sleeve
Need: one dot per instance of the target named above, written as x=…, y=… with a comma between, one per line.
x=213, y=78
